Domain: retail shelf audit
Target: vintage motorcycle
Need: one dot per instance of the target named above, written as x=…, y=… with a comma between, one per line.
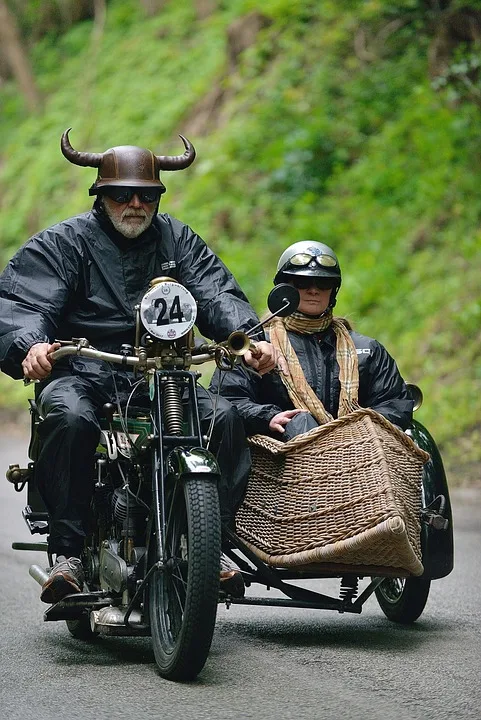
x=152, y=559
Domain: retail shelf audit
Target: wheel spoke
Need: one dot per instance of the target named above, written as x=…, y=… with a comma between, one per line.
x=403, y=599
x=392, y=589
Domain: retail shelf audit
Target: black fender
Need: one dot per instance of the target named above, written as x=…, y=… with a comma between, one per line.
x=187, y=461
x=437, y=545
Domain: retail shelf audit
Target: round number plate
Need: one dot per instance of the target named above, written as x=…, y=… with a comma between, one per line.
x=168, y=310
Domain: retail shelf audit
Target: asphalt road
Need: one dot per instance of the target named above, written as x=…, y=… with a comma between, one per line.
x=264, y=662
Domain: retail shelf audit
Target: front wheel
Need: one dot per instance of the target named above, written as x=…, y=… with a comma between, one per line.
x=183, y=594
x=402, y=600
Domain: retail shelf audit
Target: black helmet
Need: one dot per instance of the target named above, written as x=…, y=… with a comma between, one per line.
x=310, y=259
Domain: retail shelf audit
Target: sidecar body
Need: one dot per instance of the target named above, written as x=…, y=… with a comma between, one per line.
x=400, y=581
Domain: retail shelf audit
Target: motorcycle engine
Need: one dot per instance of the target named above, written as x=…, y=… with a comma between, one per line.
x=126, y=506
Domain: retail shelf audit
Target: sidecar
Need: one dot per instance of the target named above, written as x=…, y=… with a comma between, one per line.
x=387, y=532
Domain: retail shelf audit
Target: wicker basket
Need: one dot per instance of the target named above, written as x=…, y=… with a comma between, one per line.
x=345, y=494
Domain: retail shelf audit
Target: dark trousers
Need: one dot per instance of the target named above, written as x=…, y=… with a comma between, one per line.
x=69, y=435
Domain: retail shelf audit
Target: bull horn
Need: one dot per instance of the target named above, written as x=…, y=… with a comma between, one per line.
x=177, y=162
x=79, y=158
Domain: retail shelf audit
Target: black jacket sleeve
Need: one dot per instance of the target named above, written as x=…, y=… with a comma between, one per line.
x=244, y=390
x=383, y=389
x=34, y=288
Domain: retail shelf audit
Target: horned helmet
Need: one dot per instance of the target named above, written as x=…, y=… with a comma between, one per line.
x=127, y=165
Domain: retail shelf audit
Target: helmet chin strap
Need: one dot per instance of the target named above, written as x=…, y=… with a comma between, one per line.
x=333, y=298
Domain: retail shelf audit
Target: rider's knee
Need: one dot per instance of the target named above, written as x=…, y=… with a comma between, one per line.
x=71, y=416
x=227, y=414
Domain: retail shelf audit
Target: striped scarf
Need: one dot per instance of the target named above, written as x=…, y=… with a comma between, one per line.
x=302, y=396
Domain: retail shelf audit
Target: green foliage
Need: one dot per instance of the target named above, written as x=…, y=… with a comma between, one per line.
x=328, y=128
x=461, y=79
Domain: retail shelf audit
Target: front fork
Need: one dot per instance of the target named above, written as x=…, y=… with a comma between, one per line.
x=178, y=447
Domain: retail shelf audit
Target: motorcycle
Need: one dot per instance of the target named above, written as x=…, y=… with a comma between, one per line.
x=152, y=559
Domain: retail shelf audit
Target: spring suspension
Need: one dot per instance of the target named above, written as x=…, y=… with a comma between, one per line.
x=349, y=588
x=172, y=407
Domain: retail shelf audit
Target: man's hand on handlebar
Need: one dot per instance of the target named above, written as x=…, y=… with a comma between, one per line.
x=265, y=358
x=37, y=364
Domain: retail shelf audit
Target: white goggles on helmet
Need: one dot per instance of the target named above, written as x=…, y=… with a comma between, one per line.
x=303, y=259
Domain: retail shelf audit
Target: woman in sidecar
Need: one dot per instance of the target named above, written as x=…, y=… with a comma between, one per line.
x=344, y=482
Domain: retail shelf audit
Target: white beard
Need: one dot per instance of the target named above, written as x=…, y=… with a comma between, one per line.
x=128, y=228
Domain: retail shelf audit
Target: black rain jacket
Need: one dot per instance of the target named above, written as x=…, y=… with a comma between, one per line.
x=258, y=399
x=81, y=278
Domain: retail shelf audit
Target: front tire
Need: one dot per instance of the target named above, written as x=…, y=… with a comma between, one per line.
x=402, y=600
x=183, y=595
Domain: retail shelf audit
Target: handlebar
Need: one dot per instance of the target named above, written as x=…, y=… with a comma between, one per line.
x=131, y=360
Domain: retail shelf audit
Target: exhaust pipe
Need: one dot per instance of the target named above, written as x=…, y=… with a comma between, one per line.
x=38, y=574
x=110, y=621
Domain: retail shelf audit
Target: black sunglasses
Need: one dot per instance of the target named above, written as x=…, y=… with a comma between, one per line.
x=302, y=282
x=125, y=194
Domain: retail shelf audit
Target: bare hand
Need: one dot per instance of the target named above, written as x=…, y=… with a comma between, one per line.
x=278, y=421
x=37, y=364
x=265, y=358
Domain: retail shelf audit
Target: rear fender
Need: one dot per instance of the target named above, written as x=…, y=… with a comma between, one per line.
x=437, y=545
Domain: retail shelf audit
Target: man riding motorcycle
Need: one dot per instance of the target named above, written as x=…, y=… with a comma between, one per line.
x=83, y=277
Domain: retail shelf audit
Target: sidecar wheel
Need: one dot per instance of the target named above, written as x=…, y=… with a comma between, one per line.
x=80, y=628
x=183, y=595
x=402, y=600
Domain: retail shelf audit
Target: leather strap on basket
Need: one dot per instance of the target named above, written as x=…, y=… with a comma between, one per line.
x=302, y=396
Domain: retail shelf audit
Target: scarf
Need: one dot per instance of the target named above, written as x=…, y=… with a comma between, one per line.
x=301, y=394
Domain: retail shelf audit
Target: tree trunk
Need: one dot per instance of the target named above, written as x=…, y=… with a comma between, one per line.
x=204, y=8
x=152, y=7
x=17, y=57
x=100, y=14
